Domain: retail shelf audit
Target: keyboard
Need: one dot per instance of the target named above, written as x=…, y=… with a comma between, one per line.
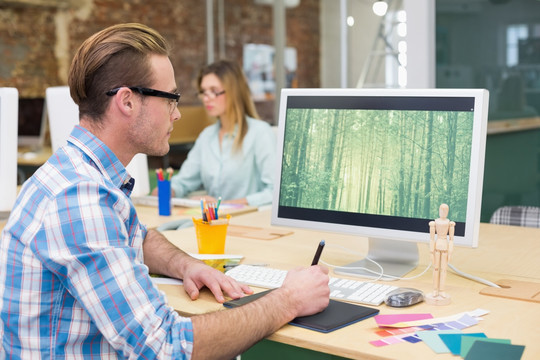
x=357, y=291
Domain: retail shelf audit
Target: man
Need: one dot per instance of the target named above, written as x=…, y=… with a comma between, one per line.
x=74, y=258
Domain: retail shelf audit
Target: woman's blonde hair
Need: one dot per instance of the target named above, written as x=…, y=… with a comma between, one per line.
x=238, y=102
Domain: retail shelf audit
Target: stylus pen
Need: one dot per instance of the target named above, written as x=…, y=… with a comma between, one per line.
x=318, y=253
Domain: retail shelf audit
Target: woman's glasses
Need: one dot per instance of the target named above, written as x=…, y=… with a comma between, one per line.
x=210, y=94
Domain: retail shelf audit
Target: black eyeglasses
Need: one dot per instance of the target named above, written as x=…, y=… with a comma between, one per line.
x=174, y=97
x=211, y=94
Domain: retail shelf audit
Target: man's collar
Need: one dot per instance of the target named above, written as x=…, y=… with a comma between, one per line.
x=107, y=162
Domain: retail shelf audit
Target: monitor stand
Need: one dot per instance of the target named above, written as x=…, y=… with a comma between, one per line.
x=397, y=258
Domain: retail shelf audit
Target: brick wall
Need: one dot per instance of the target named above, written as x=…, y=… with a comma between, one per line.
x=39, y=37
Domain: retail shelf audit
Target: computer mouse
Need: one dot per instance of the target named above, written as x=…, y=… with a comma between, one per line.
x=402, y=297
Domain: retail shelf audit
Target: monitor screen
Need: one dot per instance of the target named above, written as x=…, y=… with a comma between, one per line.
x=32, y=122
x=378, y=163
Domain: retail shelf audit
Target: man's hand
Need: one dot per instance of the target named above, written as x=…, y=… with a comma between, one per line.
x=163, y=257
x=197, y=275
x=308, y=288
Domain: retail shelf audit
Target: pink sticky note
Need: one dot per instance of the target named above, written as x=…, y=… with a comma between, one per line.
x=390, y=319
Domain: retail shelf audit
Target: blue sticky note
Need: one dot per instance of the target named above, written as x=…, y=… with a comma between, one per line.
x=494, y=351
x=453, y=341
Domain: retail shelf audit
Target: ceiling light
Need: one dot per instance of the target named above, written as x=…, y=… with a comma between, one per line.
x=380, y=7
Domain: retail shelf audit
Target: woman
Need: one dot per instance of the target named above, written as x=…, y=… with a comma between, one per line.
x=234, y=158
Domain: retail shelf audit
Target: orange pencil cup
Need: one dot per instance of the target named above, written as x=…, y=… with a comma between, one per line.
x=211, y=235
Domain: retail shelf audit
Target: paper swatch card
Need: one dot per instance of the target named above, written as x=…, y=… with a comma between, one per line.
x=433, y=340
x=482, y=350
x=468, y=341
x=453, y=341
x=399, y=320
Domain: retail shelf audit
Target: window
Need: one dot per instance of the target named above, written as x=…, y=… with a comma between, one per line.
x=514, y=33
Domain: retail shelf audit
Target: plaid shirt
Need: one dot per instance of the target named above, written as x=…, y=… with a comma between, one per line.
x=73, y=284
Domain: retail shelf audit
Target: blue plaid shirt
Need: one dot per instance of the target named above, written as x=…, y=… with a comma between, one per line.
x=73, y=284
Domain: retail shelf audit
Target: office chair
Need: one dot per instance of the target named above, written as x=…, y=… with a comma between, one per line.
x=63, y=115
x=528, y=216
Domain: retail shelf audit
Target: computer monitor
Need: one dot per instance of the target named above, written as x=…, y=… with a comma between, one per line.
x=378, y=163
x=9, y=98
x=32, y=128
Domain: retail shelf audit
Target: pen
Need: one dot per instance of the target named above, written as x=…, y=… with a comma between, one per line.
x=318, y=253
x=203, y=214
x=159, y=174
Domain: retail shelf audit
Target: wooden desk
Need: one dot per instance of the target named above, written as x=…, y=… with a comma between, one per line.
x=511, y=125
x=151, y=219
x=503, y=252
x=193, y=120
x=27, y=157
x=29, y=160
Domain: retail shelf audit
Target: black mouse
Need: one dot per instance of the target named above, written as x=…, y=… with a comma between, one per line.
x=402, y=297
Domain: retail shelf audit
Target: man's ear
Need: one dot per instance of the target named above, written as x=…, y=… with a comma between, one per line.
x=124, y=101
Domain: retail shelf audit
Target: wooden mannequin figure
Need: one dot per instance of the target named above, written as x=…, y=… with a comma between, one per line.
x=441, y=245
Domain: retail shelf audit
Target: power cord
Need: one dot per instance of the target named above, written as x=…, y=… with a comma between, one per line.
x=381, y=276
x=472, y=277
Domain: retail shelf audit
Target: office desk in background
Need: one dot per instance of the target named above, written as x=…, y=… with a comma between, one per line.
x=504, y=252
x=185, y=131
x=149, y=216
x=512, y=125
x=193, y=120
x=28, y=160
x=36, y=158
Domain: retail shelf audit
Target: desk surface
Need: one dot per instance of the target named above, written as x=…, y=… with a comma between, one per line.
x=504, y=252
x=511, y=125
x=27, y=157
x=150, y=218
x=192, y=121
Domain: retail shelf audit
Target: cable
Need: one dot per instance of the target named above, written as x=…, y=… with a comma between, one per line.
x=472, y=277
x=380, y=275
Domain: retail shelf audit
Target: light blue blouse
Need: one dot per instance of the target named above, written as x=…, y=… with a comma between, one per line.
x=223, y=172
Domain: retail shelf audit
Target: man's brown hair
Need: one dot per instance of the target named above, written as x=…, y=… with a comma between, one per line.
x=114, y=57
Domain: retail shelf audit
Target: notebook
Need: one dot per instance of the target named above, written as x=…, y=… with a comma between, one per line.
x=338, y=314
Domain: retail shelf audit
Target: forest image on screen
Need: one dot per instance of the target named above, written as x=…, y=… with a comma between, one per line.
x=388, y=162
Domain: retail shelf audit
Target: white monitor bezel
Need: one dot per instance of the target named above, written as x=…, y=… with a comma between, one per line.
x=9, y=101
x=470, y=237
